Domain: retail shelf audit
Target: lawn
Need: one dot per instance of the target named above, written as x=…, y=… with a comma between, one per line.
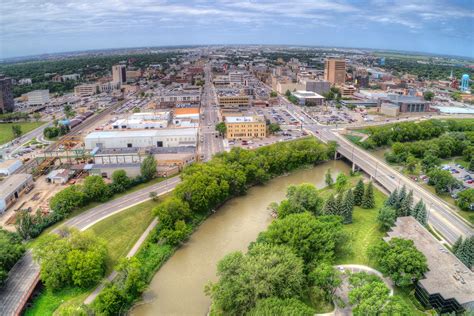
x=353, y=138
x=120, y=232
x=6, y=134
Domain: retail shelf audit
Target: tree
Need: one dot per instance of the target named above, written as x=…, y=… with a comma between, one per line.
x=68, y=111
x=401, y=196
x=273, y=94
x=341, y=182
x=16, y=130
x=67, y=199
x=369, y=200
x=264, y=271
x=465, y=199
x=386, y=217
x=120, y=180
x=419, y=213
x=11, y=250
x=172, y=210
x=465, y=251
x=95, y=189
x=274, y=128
x=110, y=301
x=328, y=178
x=301, y=198
x=406, y=204
x=442, y=180
x=278, y=306
x=411, y=163
x=429, y=161
x=330, y=208
x=312, y=238
x=37, y=116
x=348, y=207
x=392, y=200
x=174, y=236
x=399, y=259
x=471, y=165
x=148, y=168
x=327, y=278
x=359, y=193
x=457, y=244
x=428, y=95
x=221, y=128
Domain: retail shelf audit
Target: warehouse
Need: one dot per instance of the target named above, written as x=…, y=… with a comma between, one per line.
x=12, y=188
x=178, y=137
x=8, y=167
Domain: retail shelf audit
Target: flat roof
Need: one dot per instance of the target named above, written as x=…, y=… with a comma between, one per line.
x=307, y=94
x=8, y=163
x=447, y=275
x=143, y=133
x=11, y=183
x=243, y=119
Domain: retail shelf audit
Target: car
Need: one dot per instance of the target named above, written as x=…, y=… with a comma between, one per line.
x=470, y=181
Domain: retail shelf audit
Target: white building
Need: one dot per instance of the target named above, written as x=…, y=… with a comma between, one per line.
x=25, y=81
x=38, y=97
x=177, y=137
x=12, y=188
x=139, y=124
x=7, y=167
x=308, y=97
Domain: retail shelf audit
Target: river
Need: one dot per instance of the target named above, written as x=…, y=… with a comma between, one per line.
x=178, y=287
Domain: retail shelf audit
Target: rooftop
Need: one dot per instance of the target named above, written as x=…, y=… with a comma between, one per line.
x=243, y=119
x=143, y=133
x=447, y=275
x=11, y=183
x=8, y=163
x=307, y=94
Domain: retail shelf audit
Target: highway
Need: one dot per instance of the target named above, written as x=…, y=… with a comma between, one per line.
x=25, y=274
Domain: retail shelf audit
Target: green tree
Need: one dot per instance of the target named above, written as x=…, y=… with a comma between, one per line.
x=442, y=180
x=174, y=236
x=429, y=161
x=221, y=128
x=172, y=210
x=95, y=189
x=37, y=116
x=330, y=207
x=11, y=250
x=68, y=111
x=419, y=213
x=359, y=193
x=406, y=204
x=428, y=95
x=312, y=238
x=465, y=251
x=302, y=198
x=148, y=168
x=465, y=199
x=457, y=244
x=264, y=271
x=328, y=178
x=348, y=207
x=110, y=301
x=368, y=200
x=327, y=278
x=120, y=180
x=399, y=259
x=392, y=200
x=411, y=163
x=273, y=94
x=277, y=306
x=274, y=128
x=341, y=182
x=386, y=217
x=471, y=165
x=16, y=130
x=67, y=199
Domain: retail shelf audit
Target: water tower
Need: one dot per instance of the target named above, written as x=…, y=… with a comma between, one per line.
x=464, y=83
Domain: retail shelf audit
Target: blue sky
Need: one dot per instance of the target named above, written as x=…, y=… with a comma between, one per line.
x=29, y=27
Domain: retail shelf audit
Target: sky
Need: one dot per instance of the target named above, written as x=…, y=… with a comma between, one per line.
x=31, y=27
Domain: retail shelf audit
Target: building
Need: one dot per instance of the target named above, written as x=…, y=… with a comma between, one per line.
x=347, y=91
x=231, y=99
x=308, y=98
x=390, y=109
x=60, y=176
x=448, y=286
x=119, y=74
x=319, y=86
x=166, y=137
x=283, y=86
x=406, y=104
x=85, y=90
x=335, y=71
x=25, y=81
x=175, y=97
x=7, y=167
x=38, y=97
x=12, y=188
x=7, y=104
x=245, y=127
x=235, y=77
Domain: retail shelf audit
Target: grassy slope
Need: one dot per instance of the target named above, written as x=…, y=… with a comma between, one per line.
x=6, y=134
x=120, y=231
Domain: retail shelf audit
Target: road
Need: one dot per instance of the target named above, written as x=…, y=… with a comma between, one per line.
x=209, y=144
x=22, y=140
x=24, y=275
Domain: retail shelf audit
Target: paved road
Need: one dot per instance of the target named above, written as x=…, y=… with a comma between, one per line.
x=36, y=133
x=24, y=275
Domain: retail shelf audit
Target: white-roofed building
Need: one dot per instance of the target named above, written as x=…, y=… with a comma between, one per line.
x=308, y=97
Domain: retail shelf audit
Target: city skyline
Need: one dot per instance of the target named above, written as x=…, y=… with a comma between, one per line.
x=37, y=27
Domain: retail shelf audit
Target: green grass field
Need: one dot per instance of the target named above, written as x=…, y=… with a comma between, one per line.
x=120, y=232
x=6, y=134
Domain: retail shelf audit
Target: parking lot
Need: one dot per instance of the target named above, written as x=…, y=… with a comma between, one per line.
x=461, y=174
x=278, y=115
x=284, y=135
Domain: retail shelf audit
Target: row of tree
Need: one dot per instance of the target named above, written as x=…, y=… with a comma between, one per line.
x=11, y=250
x=94, y=189
x=464, y=250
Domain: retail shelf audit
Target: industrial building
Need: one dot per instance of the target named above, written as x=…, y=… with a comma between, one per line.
x=12, y=188
x=38, y=97
x=448, y=286
x=245, y=127
x=335, y=71
x=177, y=137
x=8, y=167
x=406, y=104
x=308, y=98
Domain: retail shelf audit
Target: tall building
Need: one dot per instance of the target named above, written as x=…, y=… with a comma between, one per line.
x=335, y=71
x=7, y=104
x=119, y=74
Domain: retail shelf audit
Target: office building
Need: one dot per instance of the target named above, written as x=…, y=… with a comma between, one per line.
x=85, y=90
x=448, y=285
x=245, y=127
x=406, y=104
x=7, y=104
x=308, y=98
x=335, y=71
x=347, y=91
x=119, y=74
x=319, y=86
x=38, y=97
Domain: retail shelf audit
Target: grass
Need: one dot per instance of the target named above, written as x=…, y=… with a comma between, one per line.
x=353, y=138
x=120, y=232
x=6, y=134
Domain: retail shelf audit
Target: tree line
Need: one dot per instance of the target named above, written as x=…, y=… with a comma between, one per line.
x=11, y=250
